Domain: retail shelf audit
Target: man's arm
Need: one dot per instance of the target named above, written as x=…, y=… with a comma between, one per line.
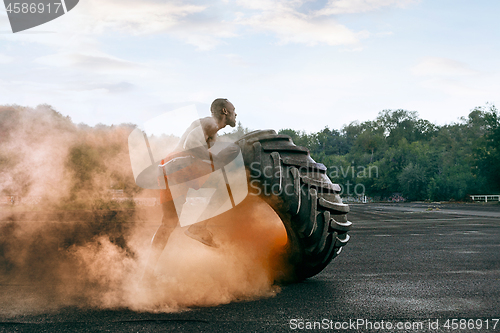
x=210, y=130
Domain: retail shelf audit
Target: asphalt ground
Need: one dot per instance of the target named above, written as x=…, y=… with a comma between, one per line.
x=409, y=267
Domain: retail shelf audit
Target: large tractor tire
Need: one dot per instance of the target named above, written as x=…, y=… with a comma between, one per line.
x=300, y=192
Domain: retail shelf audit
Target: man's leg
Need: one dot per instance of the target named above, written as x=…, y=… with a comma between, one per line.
x=199, y=230
x=168, y=223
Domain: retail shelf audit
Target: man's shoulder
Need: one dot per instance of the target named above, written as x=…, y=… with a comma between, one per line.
x=209, y=124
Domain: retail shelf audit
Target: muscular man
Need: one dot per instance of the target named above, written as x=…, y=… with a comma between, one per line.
x=194, y=145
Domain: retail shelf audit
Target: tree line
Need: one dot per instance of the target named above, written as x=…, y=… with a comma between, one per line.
x=398, y=152
x=401, y=153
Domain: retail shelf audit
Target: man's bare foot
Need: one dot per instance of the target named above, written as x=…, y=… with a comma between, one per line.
x=201, y=234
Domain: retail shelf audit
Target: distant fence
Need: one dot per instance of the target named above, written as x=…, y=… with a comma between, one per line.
x=7, y=200
x=31, y=200
x=485, y=198
x=139, y=201
x=16, y=199
x=358, y=199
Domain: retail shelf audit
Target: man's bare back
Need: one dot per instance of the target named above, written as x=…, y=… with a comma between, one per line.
x=202, y=132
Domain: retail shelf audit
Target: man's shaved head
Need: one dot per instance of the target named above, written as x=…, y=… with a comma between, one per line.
x=223, y=112
x=217, y=106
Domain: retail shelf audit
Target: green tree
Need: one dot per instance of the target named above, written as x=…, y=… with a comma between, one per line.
x=488, y=152
x=413, y=156
x=413, y=182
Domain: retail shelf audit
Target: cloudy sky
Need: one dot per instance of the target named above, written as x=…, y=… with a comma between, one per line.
x=302, y=64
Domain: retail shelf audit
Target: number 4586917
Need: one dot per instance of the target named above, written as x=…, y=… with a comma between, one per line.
x=471, y=324
x=32, y=8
